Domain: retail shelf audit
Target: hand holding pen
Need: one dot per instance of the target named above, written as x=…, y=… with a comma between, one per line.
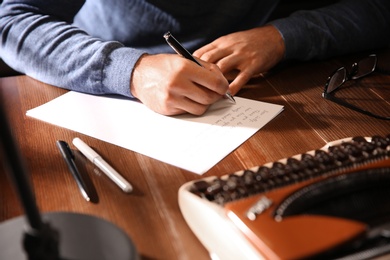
x=171, y=85
x=179, y=49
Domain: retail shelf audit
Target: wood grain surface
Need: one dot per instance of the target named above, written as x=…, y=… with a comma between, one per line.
x=150, y=215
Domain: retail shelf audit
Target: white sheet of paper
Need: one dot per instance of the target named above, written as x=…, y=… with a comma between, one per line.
x=193, y=143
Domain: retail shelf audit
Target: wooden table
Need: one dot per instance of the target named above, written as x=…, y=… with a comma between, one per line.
x=150, y=215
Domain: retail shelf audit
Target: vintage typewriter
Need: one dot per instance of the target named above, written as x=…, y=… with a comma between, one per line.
x=330, y=203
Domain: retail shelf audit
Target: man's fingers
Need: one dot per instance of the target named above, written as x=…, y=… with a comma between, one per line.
x=211, y=53
x=242, y=78
x=210, y=77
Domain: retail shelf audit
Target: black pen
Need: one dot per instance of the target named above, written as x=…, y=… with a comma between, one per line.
x=69, y=159
x=179, y=49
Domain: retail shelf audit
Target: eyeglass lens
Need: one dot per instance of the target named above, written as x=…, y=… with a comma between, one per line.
x=365, y=66
x=337, y=79
x=359, y=69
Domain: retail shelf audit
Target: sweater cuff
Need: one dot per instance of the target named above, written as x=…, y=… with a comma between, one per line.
x=118, y=70
x=295, y=40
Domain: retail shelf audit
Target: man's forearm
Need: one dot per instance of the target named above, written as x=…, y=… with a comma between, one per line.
x=57, y=53
x=348, y=26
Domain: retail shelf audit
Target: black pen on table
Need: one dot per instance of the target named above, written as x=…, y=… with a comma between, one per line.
x=179, y=49
x=69, y=159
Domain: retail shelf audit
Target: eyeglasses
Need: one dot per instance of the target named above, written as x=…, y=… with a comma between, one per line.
x=359, y=70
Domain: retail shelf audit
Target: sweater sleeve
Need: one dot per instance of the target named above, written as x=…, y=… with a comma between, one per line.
x=37, y=38
x=346, y=27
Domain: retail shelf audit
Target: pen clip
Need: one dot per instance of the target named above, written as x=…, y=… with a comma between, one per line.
x=65, y=150
x=179, y=49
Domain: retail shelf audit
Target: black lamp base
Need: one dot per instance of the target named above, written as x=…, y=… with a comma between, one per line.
x=81, y=237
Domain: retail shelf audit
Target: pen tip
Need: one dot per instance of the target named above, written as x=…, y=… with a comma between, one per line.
x=230, y=97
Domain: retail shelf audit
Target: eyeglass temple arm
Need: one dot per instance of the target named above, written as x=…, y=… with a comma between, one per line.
x=348, y=105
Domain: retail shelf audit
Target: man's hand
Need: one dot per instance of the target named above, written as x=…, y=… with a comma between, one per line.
x=245, y=54
x=171, y=85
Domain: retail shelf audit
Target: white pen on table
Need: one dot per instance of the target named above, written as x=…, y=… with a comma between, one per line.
x=97, y=160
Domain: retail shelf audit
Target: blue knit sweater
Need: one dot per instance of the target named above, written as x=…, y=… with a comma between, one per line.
x=92, y=46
